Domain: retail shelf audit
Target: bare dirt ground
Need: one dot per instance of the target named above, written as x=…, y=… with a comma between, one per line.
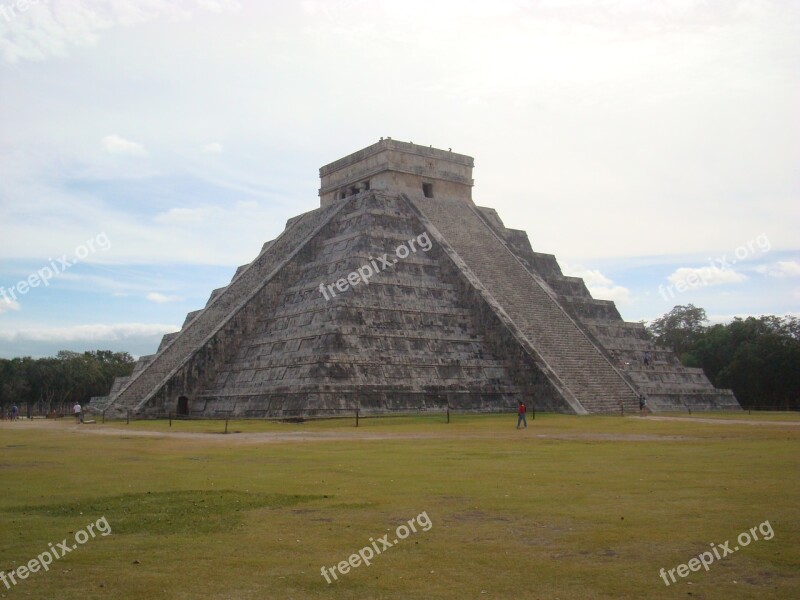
x=69, y=426
x=726, y=421
x=272, y=437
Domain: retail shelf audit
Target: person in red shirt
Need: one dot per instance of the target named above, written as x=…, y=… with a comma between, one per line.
x=521, y=412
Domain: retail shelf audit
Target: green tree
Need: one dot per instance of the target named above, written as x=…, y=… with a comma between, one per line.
x=757, y=357
x=680, y=329
x=52, y=382
x=764, y=363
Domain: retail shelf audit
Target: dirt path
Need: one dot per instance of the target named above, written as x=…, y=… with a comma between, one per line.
x=216, y=436
x=724, y=421
x=268, y=437
x=273, y=437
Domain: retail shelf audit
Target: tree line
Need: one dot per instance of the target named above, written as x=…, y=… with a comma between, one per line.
x=757, y=357
x=51, y=383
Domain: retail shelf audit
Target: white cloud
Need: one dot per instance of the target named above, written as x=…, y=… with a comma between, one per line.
x=715, y=319
x=212, y=148
x=161, y=298
x=690, y=278
x=781, y=269
x=593, y=277
x=617, y=293
x=600, y=286
x=115, y=144
x=218, y=6
x=187, y=216
x=7, y=304
x=118, y=331
x=48, y=28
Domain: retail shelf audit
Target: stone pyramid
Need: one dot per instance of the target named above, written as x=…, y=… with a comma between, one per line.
x=399, y=293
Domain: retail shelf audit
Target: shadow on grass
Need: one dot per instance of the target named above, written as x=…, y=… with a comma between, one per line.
x=178, y=512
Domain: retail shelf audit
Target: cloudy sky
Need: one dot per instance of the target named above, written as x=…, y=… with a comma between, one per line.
x=148, y=147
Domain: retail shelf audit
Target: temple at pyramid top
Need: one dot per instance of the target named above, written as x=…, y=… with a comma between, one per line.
x=417, y=171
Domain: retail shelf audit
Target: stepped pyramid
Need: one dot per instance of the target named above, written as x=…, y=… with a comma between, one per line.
x=399, y=293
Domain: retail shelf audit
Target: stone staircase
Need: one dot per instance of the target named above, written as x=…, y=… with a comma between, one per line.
x=667, y=384
x=584, y=373
x=222, y=307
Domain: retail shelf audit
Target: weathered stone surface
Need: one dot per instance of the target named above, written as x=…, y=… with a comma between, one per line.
x=466, y=316
x=398, y=167
x=666, y=383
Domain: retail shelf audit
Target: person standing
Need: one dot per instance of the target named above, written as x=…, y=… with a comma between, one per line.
x=642, y=404
x=521, y=410
x=76, y=410
x=14, y=412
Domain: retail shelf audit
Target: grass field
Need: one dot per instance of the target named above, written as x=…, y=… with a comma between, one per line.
x=572, y=507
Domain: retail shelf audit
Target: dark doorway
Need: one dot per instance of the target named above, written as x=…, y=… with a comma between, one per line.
x=183, y=406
